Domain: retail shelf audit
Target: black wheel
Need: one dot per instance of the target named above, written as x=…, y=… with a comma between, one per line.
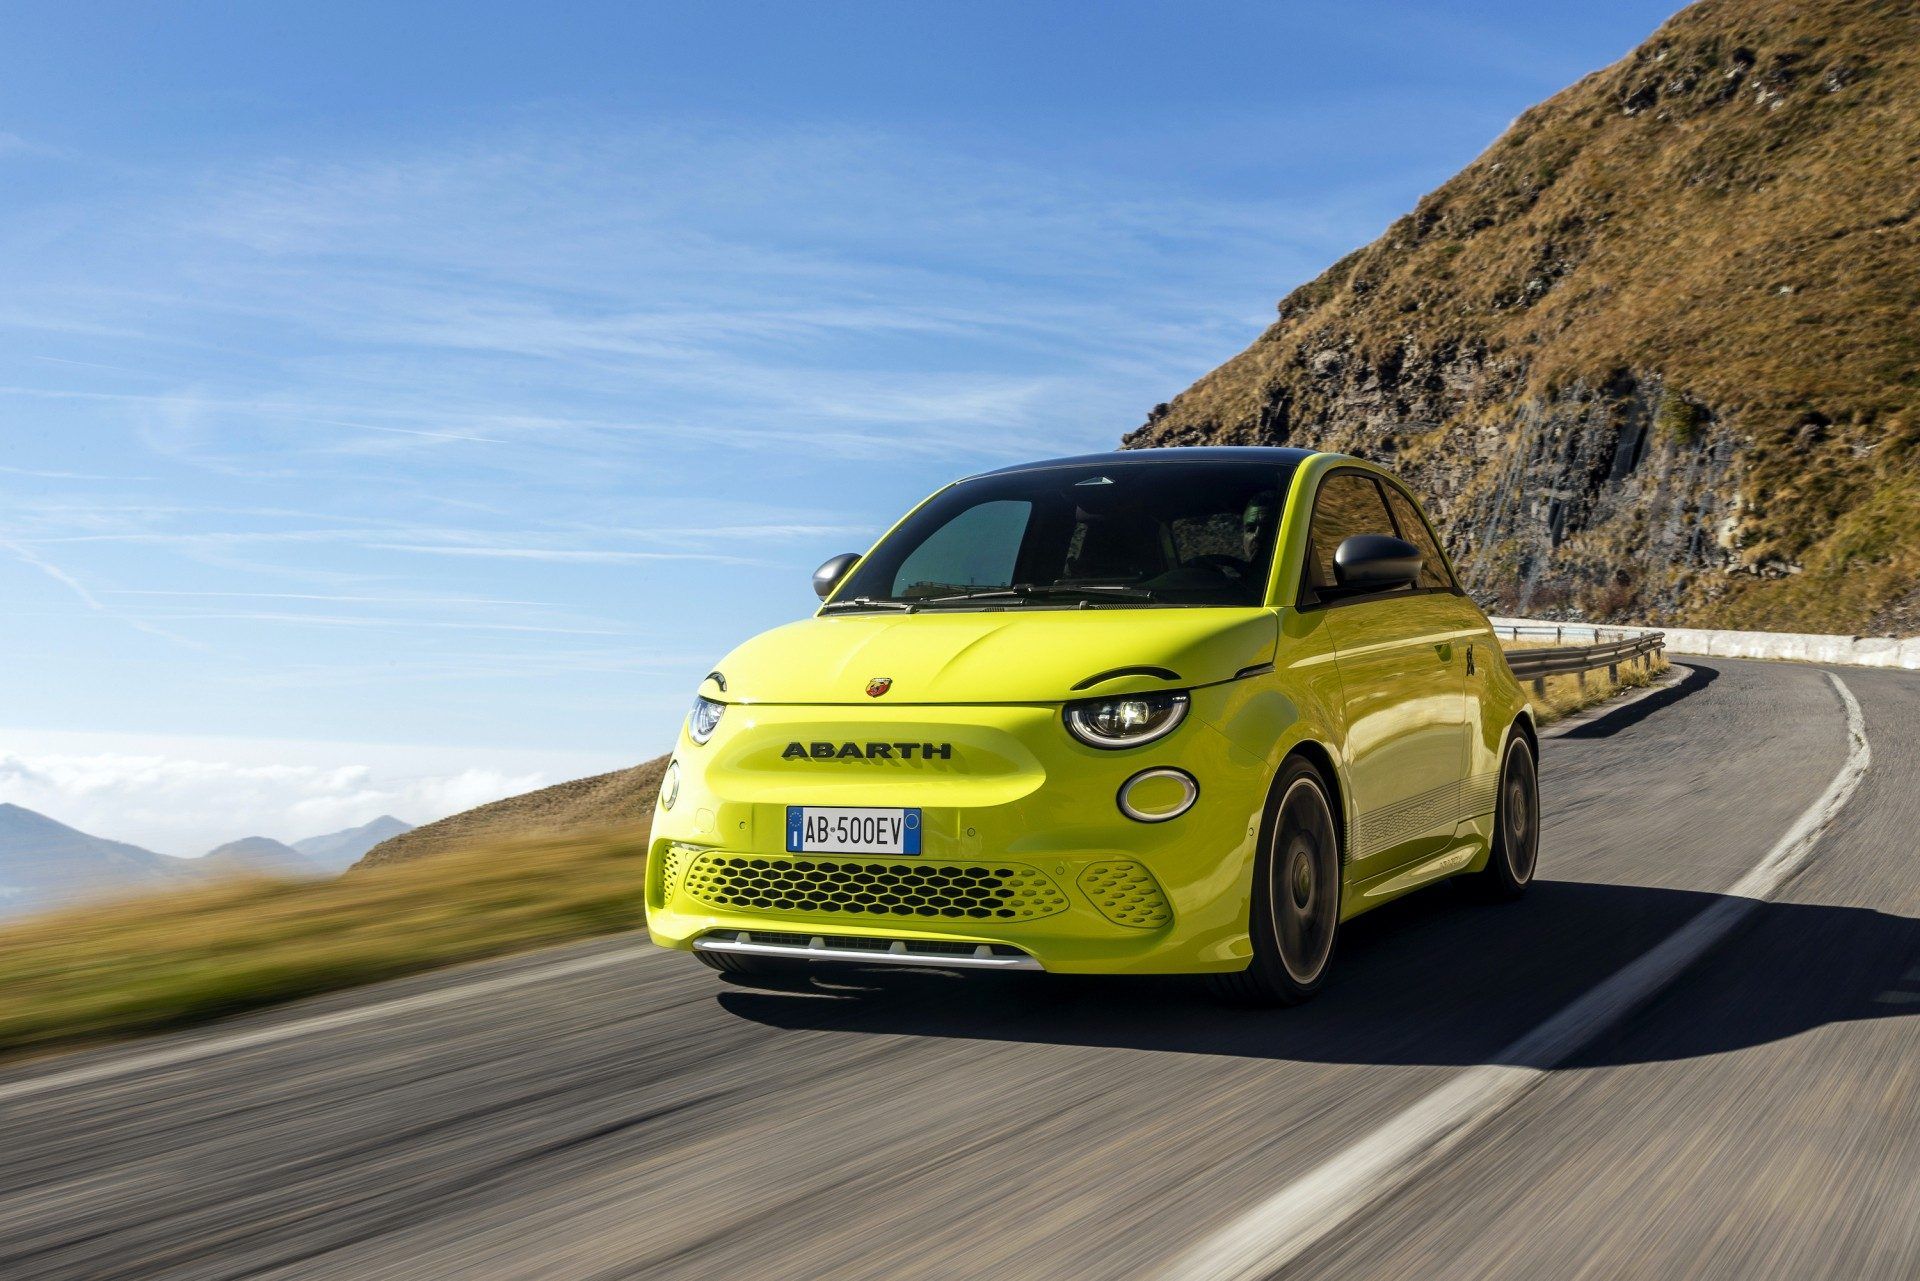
x=1296, y=895
x=1516, y=827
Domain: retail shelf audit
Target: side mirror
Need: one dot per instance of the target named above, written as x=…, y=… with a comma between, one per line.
x=1376, y=563
x=828, y=576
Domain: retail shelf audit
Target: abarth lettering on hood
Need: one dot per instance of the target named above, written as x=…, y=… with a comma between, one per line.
x=819, y=751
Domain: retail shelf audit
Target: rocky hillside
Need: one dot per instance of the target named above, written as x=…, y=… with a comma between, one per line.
x=1655, y=353
x=600, y=803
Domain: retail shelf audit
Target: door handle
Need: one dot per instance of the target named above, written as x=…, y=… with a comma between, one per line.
x=1469, y=658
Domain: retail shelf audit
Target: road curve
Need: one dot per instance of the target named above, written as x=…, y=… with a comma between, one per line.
x=605, y=1111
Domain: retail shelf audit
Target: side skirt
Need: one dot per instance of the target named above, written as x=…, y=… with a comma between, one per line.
x=1472, y=843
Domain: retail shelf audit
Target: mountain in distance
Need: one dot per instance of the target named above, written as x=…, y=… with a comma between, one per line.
x=337, y=851
x=257, y=856
x=44, y=863
x=618, y=799
x=1653, y=356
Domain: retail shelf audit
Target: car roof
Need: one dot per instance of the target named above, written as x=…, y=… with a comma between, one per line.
x=1270, y=454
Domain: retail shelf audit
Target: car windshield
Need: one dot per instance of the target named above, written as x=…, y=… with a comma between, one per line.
x=1119, y=534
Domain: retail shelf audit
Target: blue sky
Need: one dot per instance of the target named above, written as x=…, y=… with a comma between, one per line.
x=404, y=404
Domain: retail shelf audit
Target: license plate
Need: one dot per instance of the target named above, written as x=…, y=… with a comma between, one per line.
x=817, y=829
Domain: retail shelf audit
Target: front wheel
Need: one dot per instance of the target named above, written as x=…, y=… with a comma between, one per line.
x=1296, y=896
x=1516, y=827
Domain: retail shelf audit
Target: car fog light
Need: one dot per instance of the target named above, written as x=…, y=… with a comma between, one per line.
x=1156, y=795
x=670, y=785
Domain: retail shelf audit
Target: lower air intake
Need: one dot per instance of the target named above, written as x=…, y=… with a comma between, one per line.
x=1126, y=894
x=965, y=892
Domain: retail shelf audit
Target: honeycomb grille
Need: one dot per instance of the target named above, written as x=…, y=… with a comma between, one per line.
x=672, y=864
x=978, y=892
x=1126, y=894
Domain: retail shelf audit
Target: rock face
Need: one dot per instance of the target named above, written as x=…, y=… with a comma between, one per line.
x=1655, y=353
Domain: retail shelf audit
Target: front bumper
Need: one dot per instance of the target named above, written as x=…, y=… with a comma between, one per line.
x=864, y=950
x=1024, y=846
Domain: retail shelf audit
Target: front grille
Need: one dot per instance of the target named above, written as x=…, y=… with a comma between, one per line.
x=976, y=891
x=1126, y=894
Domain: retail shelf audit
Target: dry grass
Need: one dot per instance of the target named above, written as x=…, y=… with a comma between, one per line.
x=178, y=958
x=1566, y=695
x=619, y=799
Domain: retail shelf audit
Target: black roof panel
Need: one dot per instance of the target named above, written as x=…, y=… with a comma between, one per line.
x=1279, y=456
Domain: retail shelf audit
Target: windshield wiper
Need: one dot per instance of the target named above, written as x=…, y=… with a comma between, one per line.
x=872, y=602
x=1029, y=591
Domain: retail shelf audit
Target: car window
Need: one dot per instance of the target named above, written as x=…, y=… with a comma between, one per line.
x=1413, y=528
x=1348, y=503
x=977, y=548
x=1114, y=533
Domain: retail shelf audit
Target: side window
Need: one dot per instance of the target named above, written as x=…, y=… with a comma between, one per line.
x=1433, y=570
x=977, y=548
x=1348, y=503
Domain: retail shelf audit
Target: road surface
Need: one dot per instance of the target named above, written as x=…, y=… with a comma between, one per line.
x=612, y=1111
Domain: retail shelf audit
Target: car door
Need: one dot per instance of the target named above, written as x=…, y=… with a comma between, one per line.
x=1473, y=636
x=1403, y=688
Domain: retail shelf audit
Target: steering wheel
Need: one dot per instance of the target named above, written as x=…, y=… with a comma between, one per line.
x=1232, y=566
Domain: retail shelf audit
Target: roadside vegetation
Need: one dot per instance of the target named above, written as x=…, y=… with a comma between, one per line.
x=1566, y=695
x=167, y=960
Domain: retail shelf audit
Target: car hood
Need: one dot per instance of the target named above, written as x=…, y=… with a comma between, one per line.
x=998, y=656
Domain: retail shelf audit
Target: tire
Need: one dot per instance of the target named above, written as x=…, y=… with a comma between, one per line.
x=1295, y=918
x=1516, y=828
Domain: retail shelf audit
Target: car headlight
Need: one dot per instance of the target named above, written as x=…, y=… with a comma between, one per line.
x=1127, y=720
x=704, y=718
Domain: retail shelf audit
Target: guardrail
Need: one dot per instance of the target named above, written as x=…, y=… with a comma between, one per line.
x=1576, y=660
x=1804, y=647
x=1562, y=633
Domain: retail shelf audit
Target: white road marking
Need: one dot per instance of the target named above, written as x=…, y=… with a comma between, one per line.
x=1283, y=1226
x=208, y=1047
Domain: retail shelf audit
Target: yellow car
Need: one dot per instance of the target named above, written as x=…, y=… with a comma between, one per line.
x=1144, y=712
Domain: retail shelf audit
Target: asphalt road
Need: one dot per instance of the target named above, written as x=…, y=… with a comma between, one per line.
x=613, y=1111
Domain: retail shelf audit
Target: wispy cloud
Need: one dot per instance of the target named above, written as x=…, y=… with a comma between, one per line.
x=47, y=473
x=564, y=555
x=629, y=364
x=323, y=596
x=91, y=601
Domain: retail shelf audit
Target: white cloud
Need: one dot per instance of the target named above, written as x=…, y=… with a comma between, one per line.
x=184, y=796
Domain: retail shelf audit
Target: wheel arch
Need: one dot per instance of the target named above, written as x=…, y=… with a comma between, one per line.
x=1316, y=754
x=1523, y=722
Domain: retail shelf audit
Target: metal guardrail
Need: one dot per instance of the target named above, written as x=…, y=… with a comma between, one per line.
x=1537, y=664
x=1563, y=633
